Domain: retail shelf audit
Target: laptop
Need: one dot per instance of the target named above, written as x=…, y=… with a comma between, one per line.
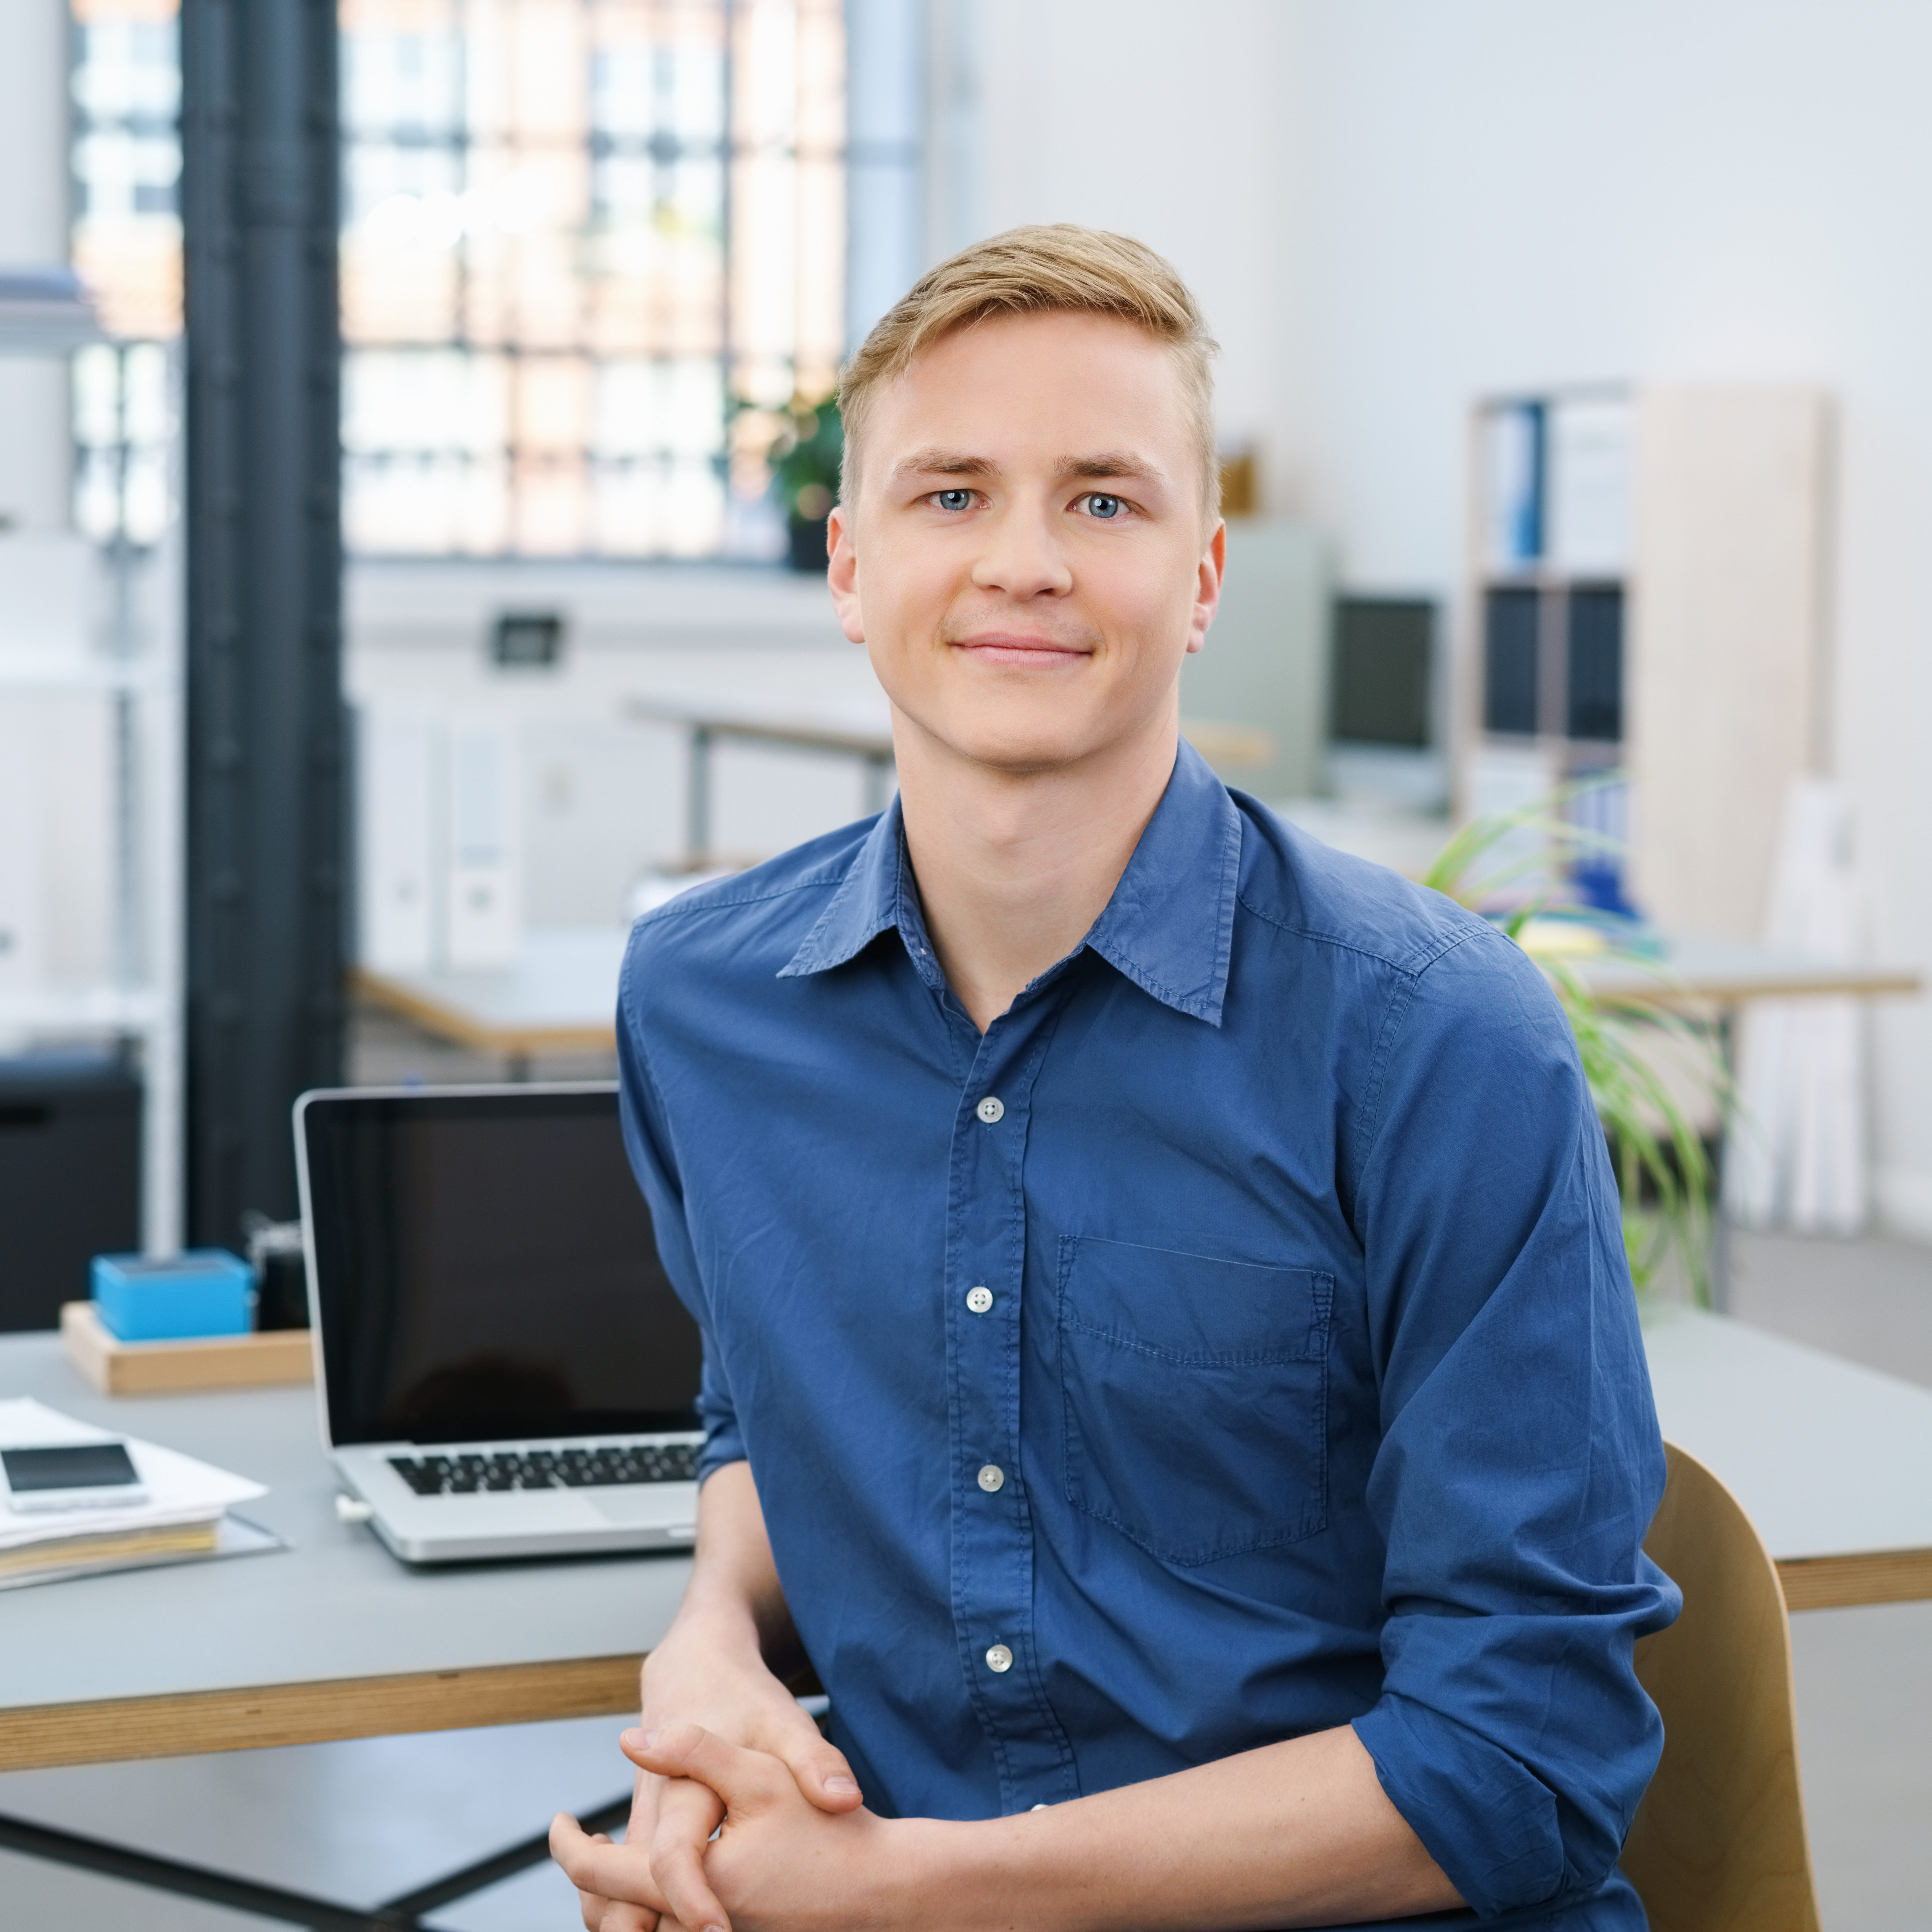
x=504, y=1369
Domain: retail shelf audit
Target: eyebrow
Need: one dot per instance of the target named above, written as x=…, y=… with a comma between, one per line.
x=1110, y=462
x=935, y=462
x=1102, y=465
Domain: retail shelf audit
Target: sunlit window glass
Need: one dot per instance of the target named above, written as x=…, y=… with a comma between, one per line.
x=126, y=160
x=592, y=252
x=592, y=249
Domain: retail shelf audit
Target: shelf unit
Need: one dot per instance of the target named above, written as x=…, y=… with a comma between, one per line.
x=136, y=671
x=1543, y=692
x=1647, y=593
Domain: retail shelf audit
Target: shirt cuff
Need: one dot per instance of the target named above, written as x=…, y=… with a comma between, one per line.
x=723, y=1444
x=1489, y=1822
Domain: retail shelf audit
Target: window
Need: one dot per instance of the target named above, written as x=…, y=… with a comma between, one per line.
x=126, y=84
x=589, y=248
x=592, y=250
x=127, y=162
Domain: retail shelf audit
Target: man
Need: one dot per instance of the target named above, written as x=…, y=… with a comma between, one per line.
x=1170, y=1363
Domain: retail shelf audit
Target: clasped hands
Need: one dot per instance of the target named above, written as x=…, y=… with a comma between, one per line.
x=795, y=1849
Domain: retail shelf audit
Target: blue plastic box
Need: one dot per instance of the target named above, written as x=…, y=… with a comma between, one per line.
x=205, y=1291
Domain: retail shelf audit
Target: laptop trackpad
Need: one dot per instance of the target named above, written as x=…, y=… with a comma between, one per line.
x=629, y=1506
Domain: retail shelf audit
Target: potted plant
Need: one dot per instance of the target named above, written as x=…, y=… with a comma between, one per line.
x=805, y=473
x=1663, y=1169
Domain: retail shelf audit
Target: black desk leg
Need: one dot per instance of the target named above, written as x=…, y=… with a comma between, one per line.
x=269, y=1901
x=697, y=801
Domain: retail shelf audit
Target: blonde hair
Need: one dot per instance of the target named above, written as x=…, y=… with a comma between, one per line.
x=1038, y=271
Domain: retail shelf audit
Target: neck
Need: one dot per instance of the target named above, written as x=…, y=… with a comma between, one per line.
x=1015, y=867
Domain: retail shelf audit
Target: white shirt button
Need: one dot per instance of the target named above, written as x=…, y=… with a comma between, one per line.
x=992, y=1108
x=978, y=1300
x=999, y=1658
x=991, y=1477
x=1041, y=1808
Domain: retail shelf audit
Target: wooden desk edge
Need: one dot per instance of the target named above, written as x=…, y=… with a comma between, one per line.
x=1717, y=991
x=1843, y=1582
x=35, y=1737
x=38, y=1736
x=447, y=1023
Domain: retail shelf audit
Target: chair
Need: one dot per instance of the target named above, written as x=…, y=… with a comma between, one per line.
x=1718, y=1844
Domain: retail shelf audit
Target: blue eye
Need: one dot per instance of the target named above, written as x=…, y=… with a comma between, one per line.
x=954, y=499
x=1098, y=506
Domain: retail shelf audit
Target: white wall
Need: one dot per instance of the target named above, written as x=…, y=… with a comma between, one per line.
x=1389, y=206
x=1170, y=123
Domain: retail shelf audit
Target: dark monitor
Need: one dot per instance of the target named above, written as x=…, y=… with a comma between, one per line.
x=1384, y=655
x=483, y=1268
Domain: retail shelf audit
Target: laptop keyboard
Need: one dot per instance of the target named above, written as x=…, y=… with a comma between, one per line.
x=607, y=1468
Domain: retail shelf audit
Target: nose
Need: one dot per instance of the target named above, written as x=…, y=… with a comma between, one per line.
x=1021, y=555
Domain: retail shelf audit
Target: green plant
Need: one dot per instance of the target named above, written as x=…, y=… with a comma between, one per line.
x=1500, y=866
x=806, y=460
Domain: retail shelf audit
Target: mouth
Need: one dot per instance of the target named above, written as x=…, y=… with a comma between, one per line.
x=1026, y=649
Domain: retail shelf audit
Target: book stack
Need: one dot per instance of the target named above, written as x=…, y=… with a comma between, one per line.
x=183, y=1515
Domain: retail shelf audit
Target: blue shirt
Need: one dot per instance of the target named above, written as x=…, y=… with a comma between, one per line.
x=1235, y=1342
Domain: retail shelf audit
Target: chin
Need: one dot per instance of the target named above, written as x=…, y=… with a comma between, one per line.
x=1026, y=747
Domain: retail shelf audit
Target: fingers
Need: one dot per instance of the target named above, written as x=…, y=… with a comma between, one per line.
x=616, y=1873
x=745, y=1780
x=819, y=1770
x=678, y=1868
x=611, y=1915
x=687, y=1812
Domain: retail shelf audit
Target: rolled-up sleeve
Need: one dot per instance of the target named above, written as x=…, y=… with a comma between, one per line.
x=1520, y=1461
x=647, y=1139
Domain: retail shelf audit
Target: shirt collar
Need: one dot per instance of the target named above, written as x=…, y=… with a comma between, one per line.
x=875, y=893
x=1169, y=926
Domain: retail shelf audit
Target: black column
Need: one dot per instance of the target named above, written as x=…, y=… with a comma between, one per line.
x=265, y=751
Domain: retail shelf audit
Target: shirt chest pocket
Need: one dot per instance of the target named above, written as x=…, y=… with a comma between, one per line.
x=1195, y=1397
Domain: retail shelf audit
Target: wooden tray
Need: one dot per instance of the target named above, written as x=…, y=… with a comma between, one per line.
x=116, y=1367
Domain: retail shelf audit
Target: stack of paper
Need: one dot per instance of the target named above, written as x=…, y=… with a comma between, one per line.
x=184, y=1515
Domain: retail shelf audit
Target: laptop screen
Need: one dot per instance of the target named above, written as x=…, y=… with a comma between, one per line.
x=485, y=1270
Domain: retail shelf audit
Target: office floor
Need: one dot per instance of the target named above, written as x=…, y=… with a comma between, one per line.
x=365, y=1821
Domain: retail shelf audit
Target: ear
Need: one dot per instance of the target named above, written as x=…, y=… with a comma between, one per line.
x=842, y=573
x=1209, y=574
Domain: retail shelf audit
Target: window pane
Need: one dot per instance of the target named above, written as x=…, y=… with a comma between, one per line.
x=126, y=91
x=590, y=250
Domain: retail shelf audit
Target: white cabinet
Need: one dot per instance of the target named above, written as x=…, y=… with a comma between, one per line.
x=91, y=641
x=1727, y=662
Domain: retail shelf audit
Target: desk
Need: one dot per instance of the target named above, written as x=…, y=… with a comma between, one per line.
x=861, y=730
x=1725, y=973
x=332, y=1638
x=560, y=997
x=1831, y=1460
x=335, y=1639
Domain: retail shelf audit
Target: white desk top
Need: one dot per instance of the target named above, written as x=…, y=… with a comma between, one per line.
x=1725, y=971
x=335, y=1606
x=560, y=996
x=1829, y=1458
